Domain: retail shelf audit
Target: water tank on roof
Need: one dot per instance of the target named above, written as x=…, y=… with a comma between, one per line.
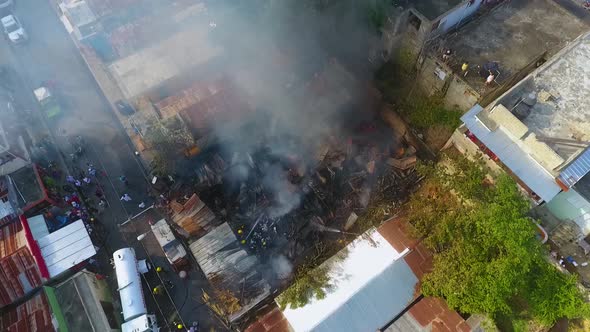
x=530, y=99
x=127, y=269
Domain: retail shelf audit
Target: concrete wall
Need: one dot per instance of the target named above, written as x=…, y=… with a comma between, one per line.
x=435, y=77
x=99, y=292
x=460, y=95
x=542, y=153
x=470, y=149
x=457, y=16
x=569, y=205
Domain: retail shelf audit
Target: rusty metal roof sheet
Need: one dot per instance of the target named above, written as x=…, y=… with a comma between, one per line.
x=19, y=275
x=12, y=238
x=193, y=216
x=31, y=316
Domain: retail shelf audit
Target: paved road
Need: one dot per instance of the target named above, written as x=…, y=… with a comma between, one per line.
x=50, y=55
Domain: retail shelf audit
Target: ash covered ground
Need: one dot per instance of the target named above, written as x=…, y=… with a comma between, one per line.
x=307, y=151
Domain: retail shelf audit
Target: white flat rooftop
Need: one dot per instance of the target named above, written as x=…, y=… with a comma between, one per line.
x=371, y=285
x=66, y=247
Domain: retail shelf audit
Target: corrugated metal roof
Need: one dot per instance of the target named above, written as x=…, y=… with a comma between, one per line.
x=511, y=155
x=222, y=258
x=577, y=169
x=372, y=284
x=66, y=247
x=31, y=316
x=193, y=216
x=19, y=275
x=12, y=238
x=38, y=226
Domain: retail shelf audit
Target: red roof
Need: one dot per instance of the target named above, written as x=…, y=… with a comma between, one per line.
x=397, y=232
x=31, y=316
x=19, y=272
x=204, y=103
x=434, y=312
x=274, y=321
x=12, y=238
x=19, y=275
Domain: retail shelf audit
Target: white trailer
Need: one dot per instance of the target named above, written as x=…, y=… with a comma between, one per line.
x=128, y=270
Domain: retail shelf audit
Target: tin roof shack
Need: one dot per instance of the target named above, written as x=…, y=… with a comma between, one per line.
x=488, y=44
x=193, y=216
x=231, y=271
x=83, y=303
x=33, y=315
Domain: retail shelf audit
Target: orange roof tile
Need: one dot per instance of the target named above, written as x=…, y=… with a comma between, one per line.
x=273, y=321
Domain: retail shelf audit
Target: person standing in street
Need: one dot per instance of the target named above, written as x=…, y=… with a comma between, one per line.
x=123, y=179
x=126, y=198
x=142, y=205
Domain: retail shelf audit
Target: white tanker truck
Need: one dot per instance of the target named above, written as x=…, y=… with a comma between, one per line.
x=135, y=314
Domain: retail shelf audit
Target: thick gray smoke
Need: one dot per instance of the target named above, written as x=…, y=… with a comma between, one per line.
x=292, y=65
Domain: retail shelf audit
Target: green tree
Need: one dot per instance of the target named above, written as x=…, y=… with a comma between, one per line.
x=554, y=295
x=168, y=139
x=308, y=285
x=487, y=258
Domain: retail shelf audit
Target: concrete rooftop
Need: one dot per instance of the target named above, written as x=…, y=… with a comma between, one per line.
x=174, y=56
x=432, y=9
x=513, y=34
x=562, y=90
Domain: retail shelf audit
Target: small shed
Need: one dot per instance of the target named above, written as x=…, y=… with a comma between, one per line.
x=193, y=216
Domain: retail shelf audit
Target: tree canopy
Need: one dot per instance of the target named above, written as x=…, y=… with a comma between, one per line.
x=487, y=257
x=168, y=139
x=309, y=284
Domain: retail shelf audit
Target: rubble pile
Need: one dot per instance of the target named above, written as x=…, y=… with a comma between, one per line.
x=277, y=199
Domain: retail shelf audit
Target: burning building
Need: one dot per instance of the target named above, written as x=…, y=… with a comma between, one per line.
x=275, y=184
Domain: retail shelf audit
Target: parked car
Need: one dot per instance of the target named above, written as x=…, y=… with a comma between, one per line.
x=124, y=108
x=14, y=29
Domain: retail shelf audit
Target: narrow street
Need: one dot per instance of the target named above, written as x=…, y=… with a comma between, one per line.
x=50, y=55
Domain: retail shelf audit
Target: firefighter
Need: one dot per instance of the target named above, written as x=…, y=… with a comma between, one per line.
x=158, y=290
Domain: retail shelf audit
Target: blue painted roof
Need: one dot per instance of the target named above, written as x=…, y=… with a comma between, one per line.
x=577, y=169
